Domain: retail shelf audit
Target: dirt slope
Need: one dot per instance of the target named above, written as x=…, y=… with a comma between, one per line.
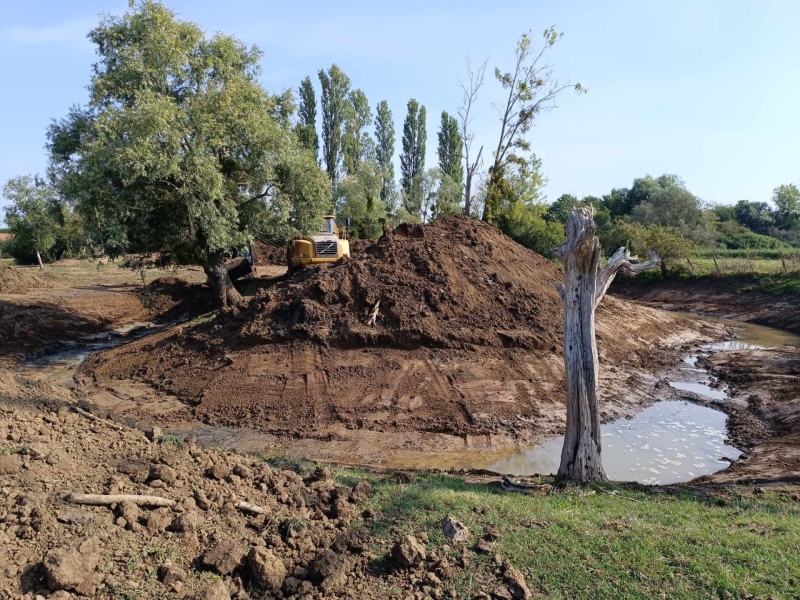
x=15, y=280
x=467, y=341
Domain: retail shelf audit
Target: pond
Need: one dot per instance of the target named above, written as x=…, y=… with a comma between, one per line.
x=667, y=442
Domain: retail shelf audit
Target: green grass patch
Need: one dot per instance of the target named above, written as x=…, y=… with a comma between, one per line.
x=582, y=543
x=173, y=440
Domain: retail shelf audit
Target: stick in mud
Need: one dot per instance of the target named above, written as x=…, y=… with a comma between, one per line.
x=108, y=499
x=374, y=315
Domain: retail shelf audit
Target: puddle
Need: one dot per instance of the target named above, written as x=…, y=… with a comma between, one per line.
x=60, y=366
x=668, y=442
x=750, y=336
x=699, y=388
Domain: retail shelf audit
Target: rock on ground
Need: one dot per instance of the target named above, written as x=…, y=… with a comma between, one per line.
x=408, y=551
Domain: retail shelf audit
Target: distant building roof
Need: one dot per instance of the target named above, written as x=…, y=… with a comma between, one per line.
x=6, y=236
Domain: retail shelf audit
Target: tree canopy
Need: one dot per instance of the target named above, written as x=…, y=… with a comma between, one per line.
x=179, y=149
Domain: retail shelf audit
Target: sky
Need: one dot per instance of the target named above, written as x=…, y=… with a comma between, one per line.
x=708, y=90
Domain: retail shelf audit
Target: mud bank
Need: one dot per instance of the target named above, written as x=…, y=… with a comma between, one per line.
x=764, y=413
x=733, y=297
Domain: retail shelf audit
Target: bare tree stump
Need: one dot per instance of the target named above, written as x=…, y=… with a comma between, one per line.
x=581, y=293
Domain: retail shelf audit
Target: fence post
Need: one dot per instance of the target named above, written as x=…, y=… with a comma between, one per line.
x=714, y=256
x=752, y=268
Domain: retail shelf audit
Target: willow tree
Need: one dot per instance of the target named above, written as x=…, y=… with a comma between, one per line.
x=179, y=149
x=581, y=293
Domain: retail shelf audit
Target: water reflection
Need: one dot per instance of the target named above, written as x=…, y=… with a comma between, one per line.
x=668, y=442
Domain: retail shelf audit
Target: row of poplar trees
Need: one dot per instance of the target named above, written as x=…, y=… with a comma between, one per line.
x=360, y=164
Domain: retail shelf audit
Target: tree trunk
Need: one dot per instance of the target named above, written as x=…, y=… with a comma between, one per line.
x=220, y=282
x=39, y=258
x=663, y=269
x=581, y=294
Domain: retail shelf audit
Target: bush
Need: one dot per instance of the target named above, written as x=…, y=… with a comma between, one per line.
x=750, y=240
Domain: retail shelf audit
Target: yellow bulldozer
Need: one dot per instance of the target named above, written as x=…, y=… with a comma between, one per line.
x=329, y=245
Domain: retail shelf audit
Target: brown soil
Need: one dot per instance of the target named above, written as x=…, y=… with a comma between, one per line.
x=467, y=342
x=48, y=543
x=15, y=280
x=765, y=414
x=267, y=254
x=732, y=297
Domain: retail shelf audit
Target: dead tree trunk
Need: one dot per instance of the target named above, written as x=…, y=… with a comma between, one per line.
x=581, y=293
x=39, y=260
x=220, y=282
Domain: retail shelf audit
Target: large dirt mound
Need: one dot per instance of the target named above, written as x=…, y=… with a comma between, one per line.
x=453, y=284
x=467, y=340
x=14, y=280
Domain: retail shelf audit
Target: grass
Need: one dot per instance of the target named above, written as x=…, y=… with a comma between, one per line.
x=579, y=543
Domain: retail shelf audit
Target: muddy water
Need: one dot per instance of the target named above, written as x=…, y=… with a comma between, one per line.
x=668, y=442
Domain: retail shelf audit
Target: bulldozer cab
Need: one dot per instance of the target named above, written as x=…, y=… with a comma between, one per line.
x=329, y=225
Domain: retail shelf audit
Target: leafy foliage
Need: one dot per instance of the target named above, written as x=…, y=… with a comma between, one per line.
x=306, y=127
x=180, y=150
x=335, y=90
x=787, y=202
x=451, y=149
x=412, y=159
x=384, y=151
x=32, y=216
x=357, y=143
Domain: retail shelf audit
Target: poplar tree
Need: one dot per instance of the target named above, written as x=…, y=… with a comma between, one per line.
x=306, y=127
x=451, y=148
x=384, y=149
x=412, y=160
x=356, y=141
x=335, y=89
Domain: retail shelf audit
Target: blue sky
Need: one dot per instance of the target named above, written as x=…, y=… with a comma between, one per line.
x=705, y=89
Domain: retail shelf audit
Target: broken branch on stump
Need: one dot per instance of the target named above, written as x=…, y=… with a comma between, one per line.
x=108, y=499
x=374, y=315
x=620, y=263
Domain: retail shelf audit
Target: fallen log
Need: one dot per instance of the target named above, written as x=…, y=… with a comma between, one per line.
x=108, y=499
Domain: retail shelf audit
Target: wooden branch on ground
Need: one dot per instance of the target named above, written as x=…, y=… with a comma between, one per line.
x=374, y=315
x=250, y=508
x=91, y=417
x=108, y=499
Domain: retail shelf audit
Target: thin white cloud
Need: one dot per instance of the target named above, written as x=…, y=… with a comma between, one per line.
x=69, y=32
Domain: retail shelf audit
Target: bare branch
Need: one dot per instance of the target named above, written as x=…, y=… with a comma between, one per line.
x=470, y=96
x=620, y=263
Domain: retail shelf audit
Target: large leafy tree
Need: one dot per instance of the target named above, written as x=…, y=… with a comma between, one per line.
x=33, y=215
x=384, y=150
x=451, y=149
x=666, y=201
x=306, y=127
x=180, y=150
x=356, y=141
x=358, y=200
x=530, y=90
x=412, y=159
x=335, y=92
x=756, y=216
x=787, y=202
